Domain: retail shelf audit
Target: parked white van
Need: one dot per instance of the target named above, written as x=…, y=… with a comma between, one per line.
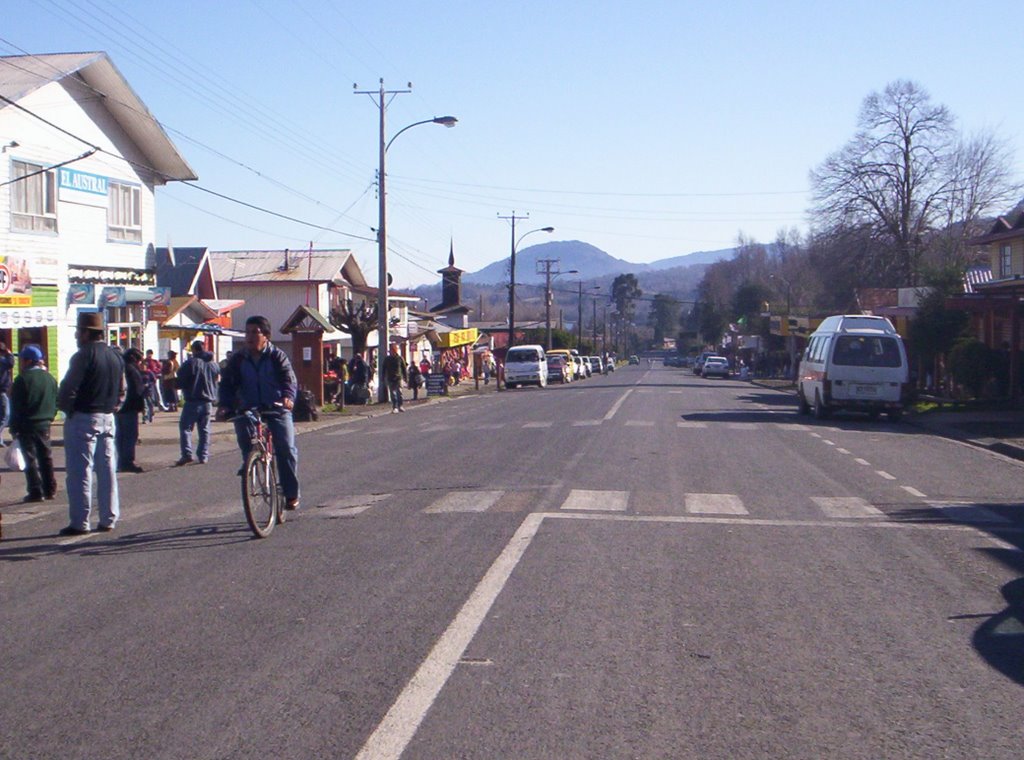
x=856, y=362
x=526, y=365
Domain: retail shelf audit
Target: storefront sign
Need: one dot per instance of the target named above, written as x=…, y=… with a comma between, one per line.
x=81, y=294
x=81, y=187
x=15, y=282
x=159, y=307
x=437, y=384
x=110, y=297
x=27, y=317
x=458, y=338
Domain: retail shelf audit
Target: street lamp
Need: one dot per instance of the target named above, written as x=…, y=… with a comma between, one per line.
x=382, y=239
x=550, y=276
x=512, y=272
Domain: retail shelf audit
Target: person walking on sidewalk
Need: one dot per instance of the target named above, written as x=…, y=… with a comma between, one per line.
x=90, y=392
x=126, y=431
x=395, y=373
x=261, y=376
x=6, y=374
x=33, y=407
x=197, y=380
x=169, y=380
x=152, y=364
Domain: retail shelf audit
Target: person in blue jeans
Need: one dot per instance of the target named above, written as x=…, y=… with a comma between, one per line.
x=91, y=391
x=6, y=376
x=197, y=381
x=261, y=377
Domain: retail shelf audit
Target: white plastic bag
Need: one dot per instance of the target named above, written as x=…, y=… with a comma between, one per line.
x=14, y=457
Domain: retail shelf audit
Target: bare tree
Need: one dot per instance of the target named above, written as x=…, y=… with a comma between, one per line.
x=357, y=320
x=893, y=176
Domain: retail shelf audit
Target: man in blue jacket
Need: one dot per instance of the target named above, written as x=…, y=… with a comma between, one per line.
x=197, y=380
x=261, y=376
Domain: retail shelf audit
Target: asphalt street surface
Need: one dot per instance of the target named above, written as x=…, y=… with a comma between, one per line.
x=641, y=565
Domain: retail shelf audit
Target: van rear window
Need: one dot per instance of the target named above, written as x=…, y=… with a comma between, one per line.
x=527, y=355
x=866, y=351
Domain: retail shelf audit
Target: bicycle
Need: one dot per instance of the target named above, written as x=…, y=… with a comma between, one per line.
x=262, y=495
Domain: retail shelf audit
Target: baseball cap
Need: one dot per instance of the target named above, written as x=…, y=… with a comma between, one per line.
x=32, y=353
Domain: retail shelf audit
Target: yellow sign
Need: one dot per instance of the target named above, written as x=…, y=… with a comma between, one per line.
x=457, y=338
x=15, y=300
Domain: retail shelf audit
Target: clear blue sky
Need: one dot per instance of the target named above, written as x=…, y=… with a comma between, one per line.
x=647, y=128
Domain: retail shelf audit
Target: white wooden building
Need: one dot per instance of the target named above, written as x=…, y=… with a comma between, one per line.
x=80, y=160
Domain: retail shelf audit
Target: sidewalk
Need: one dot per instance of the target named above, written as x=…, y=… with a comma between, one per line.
x=1001, y=431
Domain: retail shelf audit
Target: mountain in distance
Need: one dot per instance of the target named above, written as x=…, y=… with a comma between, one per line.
x=588, y=260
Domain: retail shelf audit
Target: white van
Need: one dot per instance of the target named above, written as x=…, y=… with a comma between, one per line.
x=526, y=365
x=856, y=362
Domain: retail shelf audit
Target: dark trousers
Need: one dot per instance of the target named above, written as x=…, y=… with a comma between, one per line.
x=126, y=436
x=35, y=446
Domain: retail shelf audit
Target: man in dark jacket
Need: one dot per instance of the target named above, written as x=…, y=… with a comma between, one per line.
x=261, y=376
x=395, y=373
x=91, y=391
x=33, y=407
x=126, y=436
x=197, y=380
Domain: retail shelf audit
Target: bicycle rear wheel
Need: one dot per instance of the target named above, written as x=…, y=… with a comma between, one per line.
x=259, y=494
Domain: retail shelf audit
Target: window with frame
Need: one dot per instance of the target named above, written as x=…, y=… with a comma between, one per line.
x=33, y=197
x=1005, y=260
x=124, y=213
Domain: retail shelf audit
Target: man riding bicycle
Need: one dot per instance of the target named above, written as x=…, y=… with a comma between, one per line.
x=261, y=377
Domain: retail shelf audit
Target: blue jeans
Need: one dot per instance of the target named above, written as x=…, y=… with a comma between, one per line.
x=126, y=437
x=282, y=429
x=395, y=389
x=88, y=446
x=195, y=414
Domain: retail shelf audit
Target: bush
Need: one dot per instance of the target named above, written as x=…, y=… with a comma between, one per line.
x=972, y=365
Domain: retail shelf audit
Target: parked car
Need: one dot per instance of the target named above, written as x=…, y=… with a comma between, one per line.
x=856, y=362
x=698, y=365
x=596, y=365
x=526, y=365
x=558, y=369
x=634, y=359
x=585, y=366
x=715, y=366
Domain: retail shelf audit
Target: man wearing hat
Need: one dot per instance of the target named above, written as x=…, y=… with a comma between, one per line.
x=33, y=407
x=197, y=380
x=91, y=391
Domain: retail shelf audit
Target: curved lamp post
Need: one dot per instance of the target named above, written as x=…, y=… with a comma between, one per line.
x=512, y=277
x=382, y=241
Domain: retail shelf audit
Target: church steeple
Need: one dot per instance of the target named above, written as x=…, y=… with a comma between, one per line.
x=451, y=281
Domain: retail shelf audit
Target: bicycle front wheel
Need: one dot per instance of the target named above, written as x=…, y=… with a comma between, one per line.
x=259, y=494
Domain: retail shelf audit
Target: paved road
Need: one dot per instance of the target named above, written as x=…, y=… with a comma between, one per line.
x=641, y=565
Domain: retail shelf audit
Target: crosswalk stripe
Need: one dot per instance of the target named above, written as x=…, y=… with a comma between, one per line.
x=742, y=425
x=691, y=424
x=546, y=424
x=846, y=506
x=597, y=501
x=714, y=503
x=639, y=423
x=586, y=423
x=464, y=501
x=348, y=506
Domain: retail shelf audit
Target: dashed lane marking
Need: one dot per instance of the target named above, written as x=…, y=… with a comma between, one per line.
x=691, y=424
x=596, y=501
x=742, y=426
x=715, y=503
x=914, y=492
x=464, y=501
x=586, y=423
x=546, y=424
x=639, y=423
x=884, y=474
x=864, y=462
x=846, y=506
x=842, y=451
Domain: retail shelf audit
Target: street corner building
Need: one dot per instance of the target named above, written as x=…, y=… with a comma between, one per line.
x=81, y=160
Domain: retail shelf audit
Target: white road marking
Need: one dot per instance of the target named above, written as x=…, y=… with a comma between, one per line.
x=846, y=506
x=842, y=451
x=639, y=423
x=967, y=512
x=546, y=424
x=391, y=737
x=691, y=424
x=617, y=404
x=599, y=501
x=827, y=442
x=464, y=501
x=489, y=426
x=884, y=474
x=742, y=426
x=437, y=428
x=913, y=492
x=674, y=393
x=13, y=518
x=715, y=503
x=815, y=435
x=586, y=423
x=349, y=506
x=864, y=462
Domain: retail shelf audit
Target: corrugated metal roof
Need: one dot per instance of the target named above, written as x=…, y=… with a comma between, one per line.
x=23, y=74
x=269, y=266
x=976, y=276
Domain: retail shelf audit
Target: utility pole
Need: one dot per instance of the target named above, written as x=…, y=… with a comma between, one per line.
x=512, y=280
x=579, y=321
x=548, y=272
x=593, y=329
